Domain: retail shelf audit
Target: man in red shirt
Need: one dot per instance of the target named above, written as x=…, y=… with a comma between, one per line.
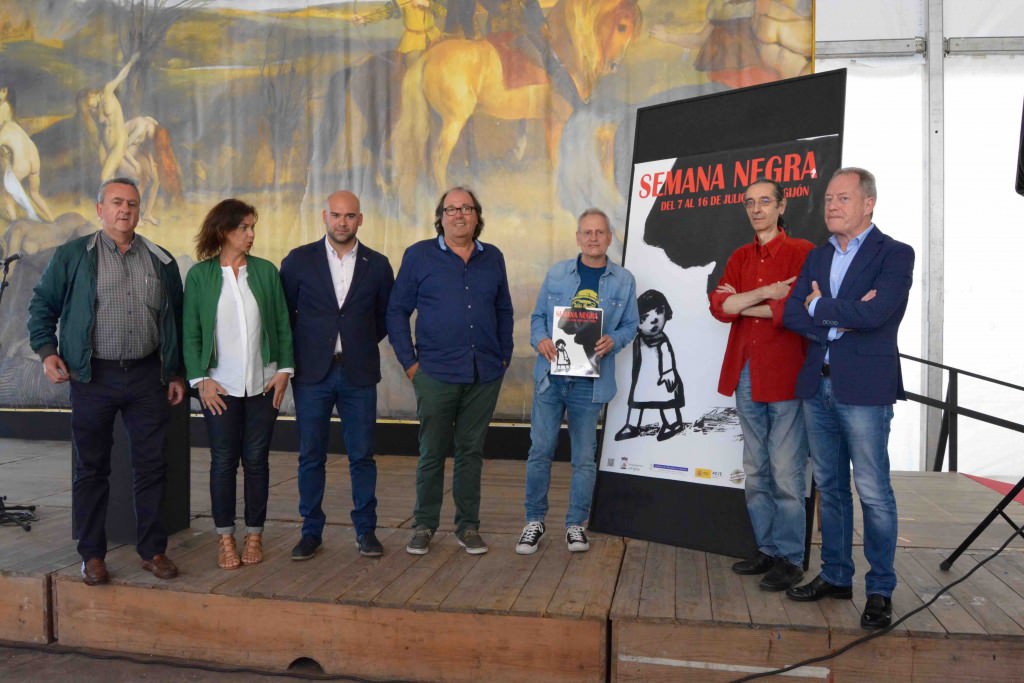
x=761, y=364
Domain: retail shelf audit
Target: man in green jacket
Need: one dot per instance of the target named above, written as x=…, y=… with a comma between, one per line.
x=117, y=297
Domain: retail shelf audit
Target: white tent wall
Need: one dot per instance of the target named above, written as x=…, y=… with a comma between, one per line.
x=975, y=120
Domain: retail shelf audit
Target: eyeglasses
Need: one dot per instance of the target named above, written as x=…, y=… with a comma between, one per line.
x=763, y=202
x=464, y=210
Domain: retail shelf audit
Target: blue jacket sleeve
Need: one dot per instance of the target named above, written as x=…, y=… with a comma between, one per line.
x=401, y=304
x=505, y=315
x=892, y=284
x=383, y=296
x=540, y=320
x=625, y=331
x=795, y=316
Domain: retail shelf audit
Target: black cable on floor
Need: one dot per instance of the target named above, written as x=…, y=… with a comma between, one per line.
x=881, y=632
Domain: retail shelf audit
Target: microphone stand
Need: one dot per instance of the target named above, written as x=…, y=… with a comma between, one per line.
x=21, y=515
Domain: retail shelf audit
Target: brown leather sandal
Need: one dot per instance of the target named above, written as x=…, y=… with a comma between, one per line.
x=253, y=552
x=227, y=554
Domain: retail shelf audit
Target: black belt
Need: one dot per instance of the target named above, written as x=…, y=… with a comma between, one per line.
x=127, y=363
x=825, y=370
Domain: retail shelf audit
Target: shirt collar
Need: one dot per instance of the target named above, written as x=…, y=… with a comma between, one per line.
x=852, y=244
x=444, y=246
x=773, y=245
x=331, y=252
x=110, y=245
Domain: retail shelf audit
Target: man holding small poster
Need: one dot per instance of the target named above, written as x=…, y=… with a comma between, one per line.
x=586, y=306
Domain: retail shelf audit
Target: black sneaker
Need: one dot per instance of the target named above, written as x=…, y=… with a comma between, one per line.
x=782, y=576
x=576, y=539
x=530, y=538
x=369, y=546
x=306, y=548
x=419, y=544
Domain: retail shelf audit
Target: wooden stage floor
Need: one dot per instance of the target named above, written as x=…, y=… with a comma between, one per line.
x=627, y=610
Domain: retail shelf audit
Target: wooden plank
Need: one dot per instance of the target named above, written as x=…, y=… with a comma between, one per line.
x=665, y=653
x=995, y=614
x=906, y=599
x=693, y=592
x=25, y=609
x=574, y=591
x=510, y=578
x=535, y=596
x=949, y=612
x=465, y=647
x=728, y=603
x=277, y=545
x=373, y=583
x=401, y=590
x=1009, y=568
x=330, y=565
x=608, y=551
x=658, y=590
x=445, y=580
x=626, y=603
x=766, y=607
x=476, y=583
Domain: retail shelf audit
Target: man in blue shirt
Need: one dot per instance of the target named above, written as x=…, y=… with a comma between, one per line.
x=848, y=302
x=459, y=288
x=588, y=281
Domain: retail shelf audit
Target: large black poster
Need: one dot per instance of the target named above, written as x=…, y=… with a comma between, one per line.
x=678, y=478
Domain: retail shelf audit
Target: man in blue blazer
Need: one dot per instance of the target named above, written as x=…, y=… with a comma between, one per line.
x=849, y=301
x=337, y=290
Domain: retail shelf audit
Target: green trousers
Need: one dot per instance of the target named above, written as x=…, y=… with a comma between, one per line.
x=453, y=419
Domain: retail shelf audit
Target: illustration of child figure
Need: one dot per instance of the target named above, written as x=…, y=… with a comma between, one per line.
x=656, y=383
x=561, y=356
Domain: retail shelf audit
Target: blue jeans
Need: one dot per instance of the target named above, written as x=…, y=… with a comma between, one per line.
x=357, y=408
x=775, y=464
x=573, y=397
x=242, y=432
x=841, y=434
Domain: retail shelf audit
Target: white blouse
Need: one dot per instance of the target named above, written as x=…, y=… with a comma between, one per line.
x=238, y=334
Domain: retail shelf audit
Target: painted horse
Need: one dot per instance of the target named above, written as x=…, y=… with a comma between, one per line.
x=458, y=78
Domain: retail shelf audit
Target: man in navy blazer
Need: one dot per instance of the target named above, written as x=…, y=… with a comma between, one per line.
x=337, y=290
x=849, y=301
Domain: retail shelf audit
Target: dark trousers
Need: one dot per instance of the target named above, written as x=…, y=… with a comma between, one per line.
x=241, y=433
x=135, y=390
x=453, y=419
x=357, y=408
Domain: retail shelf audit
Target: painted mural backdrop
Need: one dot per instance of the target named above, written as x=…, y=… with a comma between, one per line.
x=279, y=102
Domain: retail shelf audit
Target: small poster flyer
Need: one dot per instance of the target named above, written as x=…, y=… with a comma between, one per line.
x=575, y=334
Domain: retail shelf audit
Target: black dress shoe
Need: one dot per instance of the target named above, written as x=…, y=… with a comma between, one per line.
x=782, y=576
x=306, y=548
x=877, y=613
x=758, y=564
x=627, y=432
x=369, y=546
x=817, y=589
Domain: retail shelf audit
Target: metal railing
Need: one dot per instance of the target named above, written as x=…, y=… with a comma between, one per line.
x=951, y=410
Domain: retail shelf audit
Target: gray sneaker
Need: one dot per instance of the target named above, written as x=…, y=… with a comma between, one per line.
x=419, y=544
x=471, y=541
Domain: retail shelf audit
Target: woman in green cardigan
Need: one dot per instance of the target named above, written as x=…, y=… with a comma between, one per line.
x=238, y=355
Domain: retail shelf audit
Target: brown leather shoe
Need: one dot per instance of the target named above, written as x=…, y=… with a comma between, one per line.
x=161, y=567
x=94, y=572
